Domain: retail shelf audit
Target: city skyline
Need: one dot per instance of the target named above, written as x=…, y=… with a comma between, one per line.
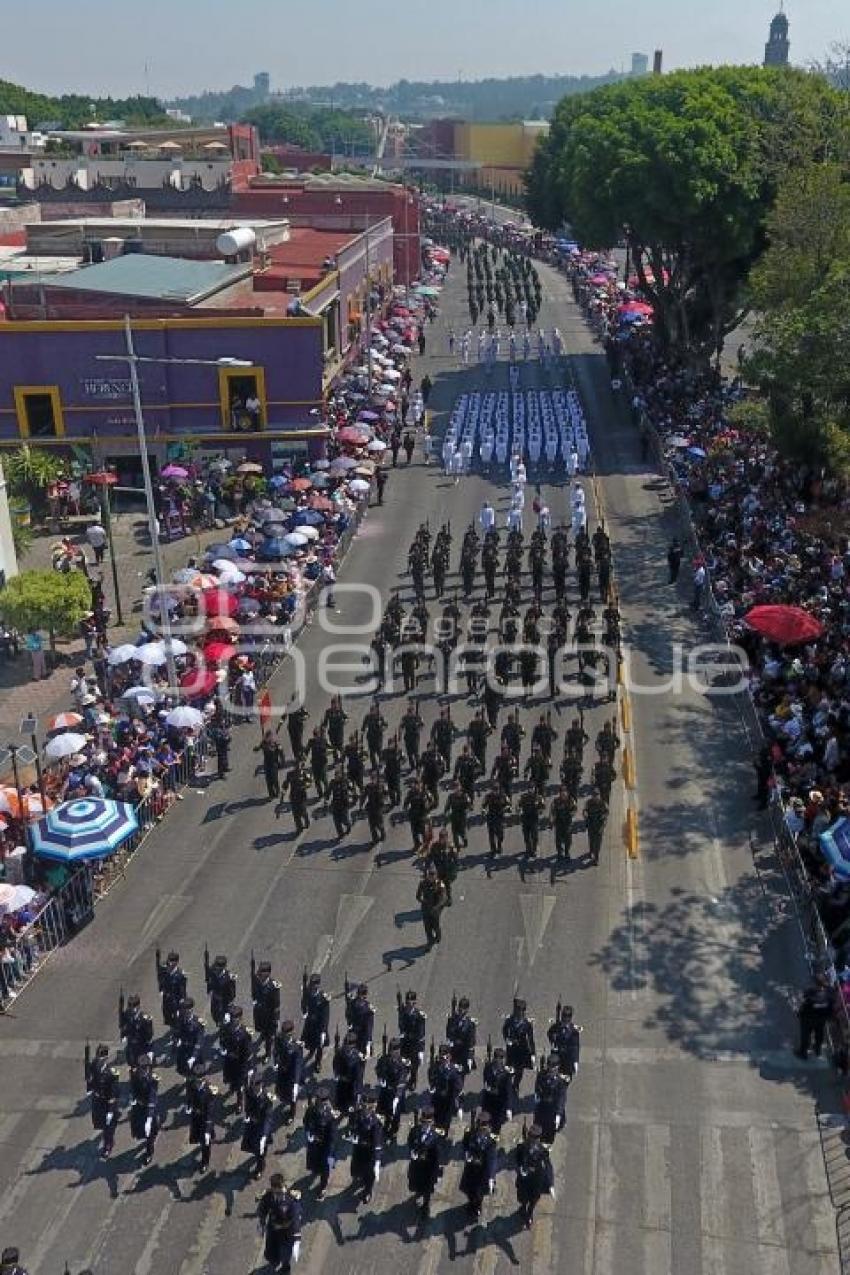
x=487, y=38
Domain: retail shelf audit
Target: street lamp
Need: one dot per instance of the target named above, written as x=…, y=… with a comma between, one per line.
x=132, y=359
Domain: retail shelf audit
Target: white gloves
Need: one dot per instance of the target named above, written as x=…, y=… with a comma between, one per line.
x=148, y=1126
x=296, y=1250
x=295, y=1089
x=377, y=1170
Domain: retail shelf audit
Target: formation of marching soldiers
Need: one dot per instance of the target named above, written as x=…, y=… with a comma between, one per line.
x=369, y=1115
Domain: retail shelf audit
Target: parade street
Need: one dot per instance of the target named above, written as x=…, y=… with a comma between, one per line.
x=691, y=1144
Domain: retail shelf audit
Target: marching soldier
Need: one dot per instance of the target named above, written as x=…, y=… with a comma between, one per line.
x=466, y=772
x=571, y=775
x=265, y=994
x=529, y=818
x=187, y=1038
x=550, y=1099
x=360, y=1016
x=432, y=768
x=221, y=986
x=374, y=802
x=295, y=784
x=479, y=729
x=295, y=719
x=432, y=897
x=236, y=1048
x=354, y=762
x=135, y=1028
x=498, y=1097
x=321, y=1132
x=595, y=815
x=503, y=771
x=603, y=777
x=257, y=1127
x=512, y=737
x=374, y=725
x=534, y=1176
x=442, y=736
x=172, y=984
x=575, y=739
x=318, y=751
x=561, y=814
x=392, y=771
x=201, y=1108
x=340, y=799
x=103, y=1083
x=334, y=723
x=279, y=1216
x=457, y=811
x=496, y=806
x=462, y=1035
x=479, y=1163
x=349, y=1065
x=144, y=1105
x=423, y=1168
x=565, y=1038
x=445, y=859
x=393, y=1074
x=367, y=1135
x=411, y=1029
x=537, y=770
x=315, y=1011
x=273, y=762
x=445, y=1085
x=544, y=735
x=289, y=1068
x=518, y=1035
x=416, y=805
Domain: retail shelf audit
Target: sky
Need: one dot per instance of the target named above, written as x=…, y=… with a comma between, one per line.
x=103, y=47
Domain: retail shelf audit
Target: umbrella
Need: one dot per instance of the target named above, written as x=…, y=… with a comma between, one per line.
x=308, y=518
x=249, y=467
x=141, y=694
x=835, y=844
x=376, y=446
x=699, y=452
x=305, y=531
x=64, y=721
x=677, y=441
x=321, y=464
x=194, y=578
x=151, y=654
x=322, y=503
x=359, y=486
x=321, y=482
x=64, y=746
x=392, y=374
x=219, y=652
x=240, y=545
x=15, y=897
x=223, y=624
x=28, y=805
x=279, y=480
x=296, y=539
x=301, y=484
x=365, y=469
x=122, y=654
x=222, y=553
x=201, y=682
x=272, y=549
x=219, y=602
x=249, y=606
x=368, y=416
x=276, y=515
x=786, y=625
x=90, y=828
x=229, y=573
x=185, y=718
x=175, y=471
x=342, y=464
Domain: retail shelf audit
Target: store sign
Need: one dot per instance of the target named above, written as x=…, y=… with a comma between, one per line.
x=106, y=387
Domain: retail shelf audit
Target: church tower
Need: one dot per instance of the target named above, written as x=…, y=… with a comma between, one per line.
x=777, y=48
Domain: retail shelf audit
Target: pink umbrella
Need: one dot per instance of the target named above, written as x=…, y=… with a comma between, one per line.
x=175, y=471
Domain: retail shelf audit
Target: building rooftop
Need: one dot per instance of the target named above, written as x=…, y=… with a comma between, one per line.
x=203, y=225
x=155, y=278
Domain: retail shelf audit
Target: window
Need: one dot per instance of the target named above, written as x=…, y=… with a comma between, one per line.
x=39, y=409
x=242, y=392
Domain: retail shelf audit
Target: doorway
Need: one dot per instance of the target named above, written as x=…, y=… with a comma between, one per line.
x=243, y=399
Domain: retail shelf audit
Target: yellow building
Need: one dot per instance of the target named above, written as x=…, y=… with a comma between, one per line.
x=504, y=151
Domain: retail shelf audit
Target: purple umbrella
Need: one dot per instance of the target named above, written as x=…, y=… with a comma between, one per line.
x=175, y=471
x=369, y=416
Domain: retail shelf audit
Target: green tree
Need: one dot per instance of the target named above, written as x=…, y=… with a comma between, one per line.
x=29, y=472
x=685, y=168
x=49, y=600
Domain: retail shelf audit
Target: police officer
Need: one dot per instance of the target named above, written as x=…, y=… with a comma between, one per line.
x=103, y=1083
x=295, y=784
x=202, y=1109
x=279, y=1216
x=498, y=1096
x=565, y=1038
x=257, y=1126
x=144, y=1105
x=518, y=1035
x=534, y=1176
x=360, y=1016
x=496, y=807
x=479, y=1163
x=187, y=1037
x=221, y=986
x=348, y=1067
x=320, y=1128
x=393, y=1074
x=411, y=1029
x=529, y=818
x=172, y=984
x=432, y=897
x=289, y=1068
x=561, y=814
x=295, y=719
x=265, y=995
x=135, y=1028
x=550, y=1098
x=318, y=751
x=423, y=1167
x=374, y=802
x=462, y=1035
x=445, y=1085
x=315, y=1010
x=236, y=1048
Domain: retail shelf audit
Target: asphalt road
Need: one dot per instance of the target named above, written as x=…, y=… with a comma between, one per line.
x=692, y=1145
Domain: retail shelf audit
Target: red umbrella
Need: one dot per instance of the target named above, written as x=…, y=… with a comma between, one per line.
x=219, y=652
x=103, y=478
x=783, y=624
x=301, y=484
x=321, y=504
x=352, y=436
x=219, y=602
x=222, y=624
x=635, y=307
x=200, y=682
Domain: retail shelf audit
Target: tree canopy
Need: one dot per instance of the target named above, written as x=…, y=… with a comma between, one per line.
x=74, y=110
x=685, y=168
x=49, y=600
x=312, y=128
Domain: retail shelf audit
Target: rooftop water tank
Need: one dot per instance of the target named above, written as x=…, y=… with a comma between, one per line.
x=232, y=242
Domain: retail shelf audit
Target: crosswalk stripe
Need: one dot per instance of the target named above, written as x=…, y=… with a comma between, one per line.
x=657, y=1199
x=606, y=1210
x=819, y=1212
x=767, y=1198
x=195, y=1262
x=712, y=1198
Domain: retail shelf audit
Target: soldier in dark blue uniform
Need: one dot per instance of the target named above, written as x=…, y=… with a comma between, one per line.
x=237, y=1051
x=479, y=1163
x=289, y=1068
x=565, y=1038
x=172, y=983
x=279, y=1215
x=257, y=1128
x=445, y=1085
x=393, y=1075
x=321, y=1132
x=462, y=1034
x=135, y=1029
x=144, y=1105
x=498, y=1097
x=367, y=1135
x=265, y=994
x=348, y=1067
x=423, y=1167
x=9, y=1262
x=411, y=1029
x=187, y=1037
x=202, y=1110
x=360, y=1016
x=534, y=1176
x=518, y=1035
x=103, y=1083
x=315, y=1008
x=221, y=986
x=550, y=1099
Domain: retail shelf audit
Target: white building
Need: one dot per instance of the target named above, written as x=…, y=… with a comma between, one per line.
x=15, y=135
x=8, y=558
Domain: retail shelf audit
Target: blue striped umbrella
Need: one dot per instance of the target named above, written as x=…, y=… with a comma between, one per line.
x=90, y=828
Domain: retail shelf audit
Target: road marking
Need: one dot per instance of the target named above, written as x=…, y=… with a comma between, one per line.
x=712, y=1201
x=351, y=911
x=767, y=1198
x=658, y=1242
x=206, y=1238
x=46, y=1139
x=815, y=1197
x=606, y=1209
x=164, y=912
x=145, y=1262
x=536, y=912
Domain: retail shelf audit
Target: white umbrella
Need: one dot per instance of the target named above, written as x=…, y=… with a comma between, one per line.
x=122, y=654
x=185, y=718
x=392, y=374
x=312, y=533
x=296, y=539
x=64, y=746
x=228, y=573
x=13, y=897
x=376, y=446
x=321, y=464
x=152, y=653
x=178, y=646
x=143, y=694
x=359, y=486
